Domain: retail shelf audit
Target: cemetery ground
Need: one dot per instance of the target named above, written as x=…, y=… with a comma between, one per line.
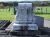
x=6, y=14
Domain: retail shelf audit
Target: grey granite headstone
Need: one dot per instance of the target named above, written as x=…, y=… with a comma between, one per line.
x=25, y=16
x=39, y=21
x=25, y=19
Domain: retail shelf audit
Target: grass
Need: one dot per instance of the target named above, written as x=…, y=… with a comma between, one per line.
x=46, y=16
x=5, y=14
x=43, y=13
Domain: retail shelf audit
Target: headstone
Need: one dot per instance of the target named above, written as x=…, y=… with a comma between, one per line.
x=25, y=16
x=39, y=21
x=25, y=19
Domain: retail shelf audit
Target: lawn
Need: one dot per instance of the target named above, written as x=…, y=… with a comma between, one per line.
x=5, y=14
x=46, y=16
x=43, y=13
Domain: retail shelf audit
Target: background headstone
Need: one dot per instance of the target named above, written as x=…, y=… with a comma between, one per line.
x=39, y=21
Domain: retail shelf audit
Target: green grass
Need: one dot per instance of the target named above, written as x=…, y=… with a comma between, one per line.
x=5, y=14
x=45, y=15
